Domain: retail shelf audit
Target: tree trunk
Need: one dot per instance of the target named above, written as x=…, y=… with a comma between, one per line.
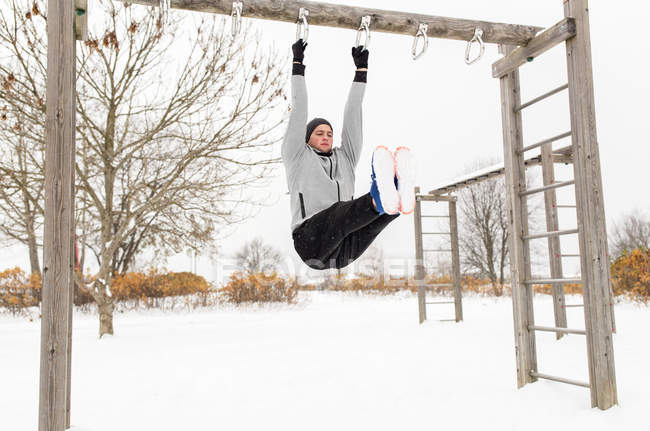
x=105, y=307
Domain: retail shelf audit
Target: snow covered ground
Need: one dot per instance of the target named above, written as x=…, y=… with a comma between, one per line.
x=334, y=361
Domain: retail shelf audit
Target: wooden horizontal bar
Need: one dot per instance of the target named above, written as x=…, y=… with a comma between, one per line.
x=560, y=330
x=565, y=206
x=570, y=255
x=553, y=281
x=560, y=32
x=447, y=320
x=559, y=379
x=550, y=234
x=349, y=17
x=544, y=142
x=437, y=251
x=440, y=302
x=573, y=305
x=542, y=97
x=440, y=285
x=548, y=187
x=435, y=216
x=436, y=198
x=436, y=233
x=561, y=155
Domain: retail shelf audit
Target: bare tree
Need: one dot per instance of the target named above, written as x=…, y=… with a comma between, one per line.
x=172, y=128
x=257, y=257
x=484, y=230
x=630, y=232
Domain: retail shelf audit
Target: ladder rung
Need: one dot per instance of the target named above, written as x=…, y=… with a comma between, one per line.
x=570, y=255
x=435, y=216
x=573, y=305
x=565, y=206
x=545, y=141
x=542, y=97
x=436, y=233
x=553, y=280
x=437, y=251
x=559, y=379
x=550, y=234
x=548, y=187
x=561, y=330
x=447, y=320
x=440, y=302
x=440, y=285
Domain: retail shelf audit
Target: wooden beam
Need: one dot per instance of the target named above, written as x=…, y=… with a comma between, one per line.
x=419, y=259
x=515, y=173
x=435, y=198
x=554, y=249
x=341, y=16
x=81, y=19
x=455, y=260
x=590, y=211
x=59, y=215
x=560, y=32
x=560, y=156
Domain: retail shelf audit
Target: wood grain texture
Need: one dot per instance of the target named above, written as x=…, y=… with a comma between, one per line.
x=419, y=258
x=81, y=19
x=59, y=216
x=537, y=46
x=554, y=249
x=594, y=260
x=515, y=175
x=349, y=17
x=455, y=260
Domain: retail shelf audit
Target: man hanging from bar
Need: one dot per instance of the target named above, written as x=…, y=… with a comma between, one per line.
x=330, y=228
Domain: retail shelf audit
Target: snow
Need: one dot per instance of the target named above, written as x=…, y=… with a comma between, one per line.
x=334, y=361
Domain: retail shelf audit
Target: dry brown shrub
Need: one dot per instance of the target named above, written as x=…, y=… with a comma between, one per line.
x=259, y=287
x=18, y=291
x=631, y=275
x=154, y=288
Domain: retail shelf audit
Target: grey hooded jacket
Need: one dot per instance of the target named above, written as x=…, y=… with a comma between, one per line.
x=317, y=181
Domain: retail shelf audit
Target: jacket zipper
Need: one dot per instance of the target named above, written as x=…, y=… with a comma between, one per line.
x=338, y=188
x=302, y=205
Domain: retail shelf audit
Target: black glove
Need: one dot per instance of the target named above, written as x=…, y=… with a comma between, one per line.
x=360, y=56
x=298, y=49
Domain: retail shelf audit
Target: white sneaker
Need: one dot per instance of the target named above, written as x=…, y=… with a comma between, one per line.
x=405, y=171
x=383, y=176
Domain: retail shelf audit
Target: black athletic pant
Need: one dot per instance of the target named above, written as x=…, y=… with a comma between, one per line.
x=338, y=235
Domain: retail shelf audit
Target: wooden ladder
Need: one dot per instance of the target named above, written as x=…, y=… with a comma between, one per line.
x=590, y=215
x=420, y=269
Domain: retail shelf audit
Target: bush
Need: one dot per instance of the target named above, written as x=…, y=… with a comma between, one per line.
x=153, y=288
x=259, y=287
x=18, y=291
x=631, y=275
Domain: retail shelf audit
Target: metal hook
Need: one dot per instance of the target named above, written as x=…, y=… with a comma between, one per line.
x=478, y=38
x=421, y=34
x=237, y=8
x=303, y=25
x=364, y=27
x=164, y=6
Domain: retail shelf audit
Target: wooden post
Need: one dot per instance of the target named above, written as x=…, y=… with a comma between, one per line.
x=455, y=260
x=515, y=173
x=59, y=215
x=554, y=249
x=419, y=257
x=81, y=19
x=594, y=257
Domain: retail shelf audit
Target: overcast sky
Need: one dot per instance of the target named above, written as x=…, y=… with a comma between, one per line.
x=449, y=113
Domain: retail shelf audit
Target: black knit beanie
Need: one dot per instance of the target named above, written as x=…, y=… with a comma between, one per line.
x=311, y=126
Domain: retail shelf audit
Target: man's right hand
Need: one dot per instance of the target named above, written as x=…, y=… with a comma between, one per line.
x=298, y=49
